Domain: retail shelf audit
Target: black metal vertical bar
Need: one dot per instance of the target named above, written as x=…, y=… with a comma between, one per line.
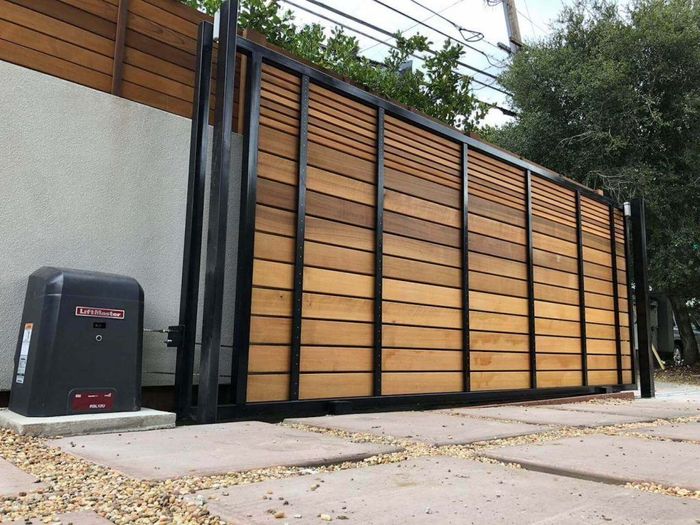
x=616, y=298
x=194, y=217
x=295, y=364
x=466, y=363
x=581, y=293
x=641, y=294
x=379, y=257
x=246, y=231
x=208, y=394
x=630, y=303
x=531, y=283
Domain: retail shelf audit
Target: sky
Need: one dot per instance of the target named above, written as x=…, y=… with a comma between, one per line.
x=535, y=18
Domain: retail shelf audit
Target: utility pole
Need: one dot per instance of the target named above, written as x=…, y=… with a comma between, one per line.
x=511, y=14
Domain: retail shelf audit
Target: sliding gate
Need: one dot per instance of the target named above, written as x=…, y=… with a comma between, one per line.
x=386, y=260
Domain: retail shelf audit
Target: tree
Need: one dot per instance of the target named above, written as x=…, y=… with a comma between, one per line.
x=438, y=89
x=612, y=99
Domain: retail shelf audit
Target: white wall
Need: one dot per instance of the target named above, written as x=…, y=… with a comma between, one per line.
x=97, y=182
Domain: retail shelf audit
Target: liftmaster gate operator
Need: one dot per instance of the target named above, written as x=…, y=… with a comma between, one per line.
x=80, y=344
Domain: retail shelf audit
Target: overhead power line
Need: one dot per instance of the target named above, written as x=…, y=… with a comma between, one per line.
x=503, y=110
x=442, y=33
x=457, y=26
x=387, y=33
x=416, y=24
x=476, y=35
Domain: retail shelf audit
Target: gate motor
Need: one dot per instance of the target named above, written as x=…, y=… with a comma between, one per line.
x=80, y=344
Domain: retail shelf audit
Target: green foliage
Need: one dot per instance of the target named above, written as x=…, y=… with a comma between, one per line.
x=437, y=90
x=613, y=100
x=208, y=6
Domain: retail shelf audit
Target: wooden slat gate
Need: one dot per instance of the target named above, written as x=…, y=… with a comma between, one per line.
x=386, y=261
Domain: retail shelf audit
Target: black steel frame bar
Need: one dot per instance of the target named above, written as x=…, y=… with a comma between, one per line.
x=246, y=231
x=192, y=251
x=581, y=292
x=208, y=391
x=378, y=258
x=630, y=301
x=295, y=363
x=616, y=298
x=642, y=301
x=340, y=86
x=281, y=409
x=466, y=363
x=532, y=339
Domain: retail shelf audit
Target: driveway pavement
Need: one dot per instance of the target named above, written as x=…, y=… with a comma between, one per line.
x=599, y=462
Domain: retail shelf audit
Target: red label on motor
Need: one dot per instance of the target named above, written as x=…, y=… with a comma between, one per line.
x=107, y=313
x=92, y=401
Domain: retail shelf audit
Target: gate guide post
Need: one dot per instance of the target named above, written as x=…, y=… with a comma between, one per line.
x=189, y=289
x=208, y=397
x=641, y=295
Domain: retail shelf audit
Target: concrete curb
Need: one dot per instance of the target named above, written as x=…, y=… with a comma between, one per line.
x=74, y=425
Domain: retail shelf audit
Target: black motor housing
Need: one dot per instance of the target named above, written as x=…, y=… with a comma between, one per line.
x=80, y=344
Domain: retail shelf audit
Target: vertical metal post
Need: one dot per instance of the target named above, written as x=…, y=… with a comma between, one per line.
x=641, y=294
x=246, y=231
x=581, y=293
x=295, y=365
x=530, y=283
x=208, y=395
x=466, y=363
x=630, y=302
x=194, y=216
x=616, y=299
x=379, y=257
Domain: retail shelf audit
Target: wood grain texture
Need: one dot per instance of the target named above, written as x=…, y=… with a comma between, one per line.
x=499, y=380
x=549, y=379
x=420, y=382
x=267, y=387
x=337, y=385
x=410, y=360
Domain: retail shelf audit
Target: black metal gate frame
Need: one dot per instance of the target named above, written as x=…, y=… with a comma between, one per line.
x=209, y=408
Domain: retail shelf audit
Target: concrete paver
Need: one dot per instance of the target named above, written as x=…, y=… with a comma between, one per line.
x=547, y=416
x=645, y=412
x=689, y=405
x=680, y=431
x=616, y=459
x=76, y=518
x=14, y=480
x=443, y=491
x=437, y=428
x=677, y=392
x=214, y=449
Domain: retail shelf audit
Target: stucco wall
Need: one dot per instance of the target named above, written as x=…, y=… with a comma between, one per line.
x=95, y=182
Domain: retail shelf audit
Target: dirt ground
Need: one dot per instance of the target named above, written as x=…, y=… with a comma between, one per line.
x=686, y=375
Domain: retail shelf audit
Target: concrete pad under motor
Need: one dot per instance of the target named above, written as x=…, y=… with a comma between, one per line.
x=207, y=450
x=646, y=412
x=442, y=491
x=678, y=432
x=144, y=419
x=76, y=518
x=436, y=428
x=612, y=459
x=546, y=416
x=13, y=480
